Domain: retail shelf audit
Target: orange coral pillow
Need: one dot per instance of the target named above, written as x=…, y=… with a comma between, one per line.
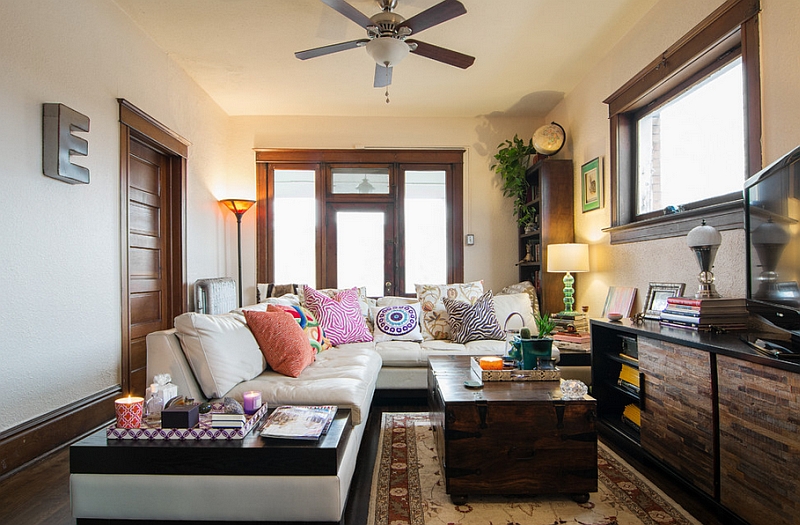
x=283, y=343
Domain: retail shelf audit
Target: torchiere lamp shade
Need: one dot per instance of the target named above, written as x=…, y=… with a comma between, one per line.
x=238, y=206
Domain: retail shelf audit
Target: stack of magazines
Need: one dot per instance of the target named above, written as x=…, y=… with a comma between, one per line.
x=299, y=422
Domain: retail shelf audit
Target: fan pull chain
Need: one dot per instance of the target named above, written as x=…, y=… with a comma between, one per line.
x=387, y=94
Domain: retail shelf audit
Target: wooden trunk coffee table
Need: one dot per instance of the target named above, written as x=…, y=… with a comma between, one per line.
x=510, y=437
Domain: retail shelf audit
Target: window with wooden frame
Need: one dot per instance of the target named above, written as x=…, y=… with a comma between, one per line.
x=686, y=131
x=382, y=219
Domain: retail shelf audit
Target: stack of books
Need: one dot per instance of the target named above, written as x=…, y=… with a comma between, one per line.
x=577, y=319
x=221, y=420
x=576, y=341
x=629, y=378
x=632, y=415
x=705, y=314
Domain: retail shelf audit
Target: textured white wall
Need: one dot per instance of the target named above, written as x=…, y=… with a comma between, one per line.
x=487, y=214
x=59, y=256
x=586, y=119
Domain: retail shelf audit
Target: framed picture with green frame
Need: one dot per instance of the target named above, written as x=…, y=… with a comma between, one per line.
x=592, y=185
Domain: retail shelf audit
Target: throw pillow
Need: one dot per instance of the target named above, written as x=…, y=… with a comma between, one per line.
x=473, y=322
x=397, y=323
x=307, y=322
x=524, y=287
x=220, y=349
x=506, y=306
x=283, y=343
x=434, y=323
x=266, y=290
x=339, y=316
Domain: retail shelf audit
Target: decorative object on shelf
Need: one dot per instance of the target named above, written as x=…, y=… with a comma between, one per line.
x=657, y=295
x=573, y=389
x=592, y=185
x=129, y=411
x=528, y=255
x=528, y=349
x=619, y=299
x=511, y=162
x=614, y=316
x=570, y=257
x=239, y=207
x=704, y=240
x=530, y=228
x=549, y=139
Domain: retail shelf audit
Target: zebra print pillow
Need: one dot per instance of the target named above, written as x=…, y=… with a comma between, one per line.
x=473, y=322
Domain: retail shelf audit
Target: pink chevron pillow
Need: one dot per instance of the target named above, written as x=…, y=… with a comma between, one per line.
x=339, y=316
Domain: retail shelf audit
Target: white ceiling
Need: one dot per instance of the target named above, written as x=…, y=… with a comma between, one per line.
x=528, y=54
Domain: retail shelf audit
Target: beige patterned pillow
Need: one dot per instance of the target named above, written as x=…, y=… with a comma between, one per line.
x=434, y=315
x=524, y=287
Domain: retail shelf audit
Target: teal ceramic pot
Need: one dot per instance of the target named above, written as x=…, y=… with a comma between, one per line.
x=529, y=350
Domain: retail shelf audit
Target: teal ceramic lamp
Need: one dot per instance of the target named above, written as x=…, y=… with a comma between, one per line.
x=570, y=258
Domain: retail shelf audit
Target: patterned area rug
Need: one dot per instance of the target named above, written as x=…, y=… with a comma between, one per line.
x=408, y=489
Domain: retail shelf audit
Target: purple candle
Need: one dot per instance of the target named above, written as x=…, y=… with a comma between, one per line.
x=252, y=402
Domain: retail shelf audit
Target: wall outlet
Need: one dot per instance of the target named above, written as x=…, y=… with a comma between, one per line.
x=470, y=239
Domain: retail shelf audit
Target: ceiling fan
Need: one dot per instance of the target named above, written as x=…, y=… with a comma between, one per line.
x=387, y=36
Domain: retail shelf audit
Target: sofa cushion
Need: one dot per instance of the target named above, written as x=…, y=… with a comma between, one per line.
x=473, y=322
x=507, y=305
x=220, y=349
x=434, y=323
x=343, y=376
x=340, y=316
x=284, y=344
x=396, y=323
x=525, y=287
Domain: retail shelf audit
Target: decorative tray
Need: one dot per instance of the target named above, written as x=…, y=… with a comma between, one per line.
x=203, y=430
x=513, y=374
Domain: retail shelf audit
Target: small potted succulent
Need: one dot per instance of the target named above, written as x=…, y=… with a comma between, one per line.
x=528, y=349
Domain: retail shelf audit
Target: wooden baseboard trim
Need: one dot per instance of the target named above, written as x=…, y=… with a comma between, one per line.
x=40, y=436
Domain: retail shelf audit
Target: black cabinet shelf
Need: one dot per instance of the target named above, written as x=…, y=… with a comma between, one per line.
x=624, y=391
x=622, y=360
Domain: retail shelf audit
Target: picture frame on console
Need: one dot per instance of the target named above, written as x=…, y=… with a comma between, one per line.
x=657, y=295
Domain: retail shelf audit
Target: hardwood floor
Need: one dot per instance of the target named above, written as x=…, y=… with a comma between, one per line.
x=39, y=494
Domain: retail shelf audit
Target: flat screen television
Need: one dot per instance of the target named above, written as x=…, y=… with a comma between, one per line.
x=772, y=226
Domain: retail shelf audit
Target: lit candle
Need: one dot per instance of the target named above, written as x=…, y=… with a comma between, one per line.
x=129, y=411
x=491, y=363
x=252, y=402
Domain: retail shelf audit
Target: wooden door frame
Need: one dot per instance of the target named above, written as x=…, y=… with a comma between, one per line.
x=136, y=124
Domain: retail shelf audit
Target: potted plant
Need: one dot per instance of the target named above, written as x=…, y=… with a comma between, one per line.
x=511, y=162
x=528, y=349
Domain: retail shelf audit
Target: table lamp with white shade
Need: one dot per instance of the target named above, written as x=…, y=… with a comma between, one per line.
x=570, y=258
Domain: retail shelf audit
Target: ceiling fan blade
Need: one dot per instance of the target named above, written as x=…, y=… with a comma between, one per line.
x=383, y=76
x=348, y=11
x=332, y=48
x=441, y=12
x=448, y=56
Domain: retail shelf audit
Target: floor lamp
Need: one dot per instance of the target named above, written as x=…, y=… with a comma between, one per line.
x=569, y=258
x=239, y=207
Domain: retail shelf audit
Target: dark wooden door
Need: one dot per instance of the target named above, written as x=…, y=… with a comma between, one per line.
x=152, y=182
x=148, y=246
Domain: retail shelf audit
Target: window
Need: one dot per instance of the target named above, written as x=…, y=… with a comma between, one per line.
x=341, y=218
x=685, y=131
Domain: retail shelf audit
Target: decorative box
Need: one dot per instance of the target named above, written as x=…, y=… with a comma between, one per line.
x=515, y=374
x=181, y=416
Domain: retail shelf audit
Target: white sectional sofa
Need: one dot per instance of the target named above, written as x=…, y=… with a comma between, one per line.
x=212, y=356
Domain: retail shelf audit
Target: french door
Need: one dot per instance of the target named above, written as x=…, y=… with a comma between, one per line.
x=360, y=247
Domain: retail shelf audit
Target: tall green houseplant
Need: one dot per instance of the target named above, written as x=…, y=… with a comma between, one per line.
x=511, y=161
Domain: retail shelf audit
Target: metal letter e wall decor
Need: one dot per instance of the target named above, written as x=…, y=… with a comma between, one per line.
x=58, y=143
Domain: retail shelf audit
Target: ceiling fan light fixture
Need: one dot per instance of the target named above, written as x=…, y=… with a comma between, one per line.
x=387, y=51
